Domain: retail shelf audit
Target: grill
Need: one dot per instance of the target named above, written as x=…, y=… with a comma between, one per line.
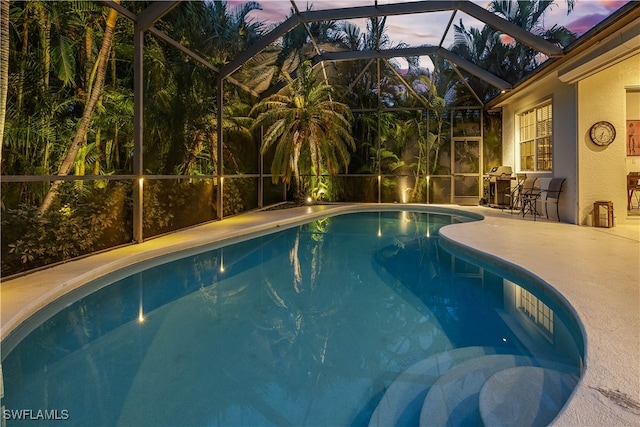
x=499, y=185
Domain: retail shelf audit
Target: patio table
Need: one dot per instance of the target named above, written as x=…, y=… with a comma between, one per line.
x=530, y=203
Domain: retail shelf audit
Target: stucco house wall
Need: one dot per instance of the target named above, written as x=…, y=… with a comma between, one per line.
x=595, y=81
x=563, y=100
x=602, y=170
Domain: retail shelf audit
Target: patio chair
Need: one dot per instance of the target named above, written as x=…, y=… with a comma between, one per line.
x=526, y=193
x=529, y=197
x=511, y=194
x=553, y=196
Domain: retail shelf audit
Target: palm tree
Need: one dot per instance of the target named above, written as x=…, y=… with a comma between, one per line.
x=511, y=62
x=300, y=44
x=306, y=128
x=4, y=73
x=365, y=93
x=485, y=48
x=529, y=15
x=83, y=126
x=47, y=90
x=214, y=29
x=181, y=115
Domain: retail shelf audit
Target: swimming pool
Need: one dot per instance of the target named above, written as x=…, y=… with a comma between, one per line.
x=340, y=321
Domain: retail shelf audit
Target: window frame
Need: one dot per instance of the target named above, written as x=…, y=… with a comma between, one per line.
x=538, y=312
x=534, y=135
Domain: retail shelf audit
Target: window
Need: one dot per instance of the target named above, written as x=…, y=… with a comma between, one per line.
x=536, y=148
x=538, y=312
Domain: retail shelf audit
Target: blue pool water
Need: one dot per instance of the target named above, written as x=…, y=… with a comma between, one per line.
x=348, y=320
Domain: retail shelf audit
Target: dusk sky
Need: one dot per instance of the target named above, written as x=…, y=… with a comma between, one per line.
x=419, y=29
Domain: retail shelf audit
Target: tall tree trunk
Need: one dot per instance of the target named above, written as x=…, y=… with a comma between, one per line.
x=88, y=45
x=194, y=152
x=4, y=73
x=22, y=60
x=83, y=127
x=44, y=22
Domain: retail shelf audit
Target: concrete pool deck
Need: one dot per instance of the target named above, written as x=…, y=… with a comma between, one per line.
x=597, y=270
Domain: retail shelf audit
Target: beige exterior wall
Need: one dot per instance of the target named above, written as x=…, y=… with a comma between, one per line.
x=602, y=170
x=563, y=97
x=595, y=81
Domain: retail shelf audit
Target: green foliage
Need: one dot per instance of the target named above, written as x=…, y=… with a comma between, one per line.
x=307, y=130
x=54, y=46
x=320, y=190
x=171, y=205
x=492, y=141
x=235, y=192
x=157, y=217
x=83, y=221
x=510, y=61
x=64, y=60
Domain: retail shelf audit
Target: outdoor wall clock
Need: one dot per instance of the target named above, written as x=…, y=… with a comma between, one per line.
x=602, y=133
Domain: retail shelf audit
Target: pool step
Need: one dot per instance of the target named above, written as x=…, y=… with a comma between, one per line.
x=524, y=396
x=454, y=399
x=403, y=399
x=474, y=385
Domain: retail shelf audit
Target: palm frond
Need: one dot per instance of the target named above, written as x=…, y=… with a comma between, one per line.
x=63, y=58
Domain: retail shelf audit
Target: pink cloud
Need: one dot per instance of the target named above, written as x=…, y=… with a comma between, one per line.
x=272, y=12
x=428, y=28
x=587, y=14
x=612, y=5
x=585, y=23
x=411, y=34
x=507, y=39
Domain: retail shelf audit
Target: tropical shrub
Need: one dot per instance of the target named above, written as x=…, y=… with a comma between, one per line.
x=83, y=220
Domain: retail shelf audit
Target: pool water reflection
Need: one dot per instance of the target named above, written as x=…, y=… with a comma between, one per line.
x=322, y=324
